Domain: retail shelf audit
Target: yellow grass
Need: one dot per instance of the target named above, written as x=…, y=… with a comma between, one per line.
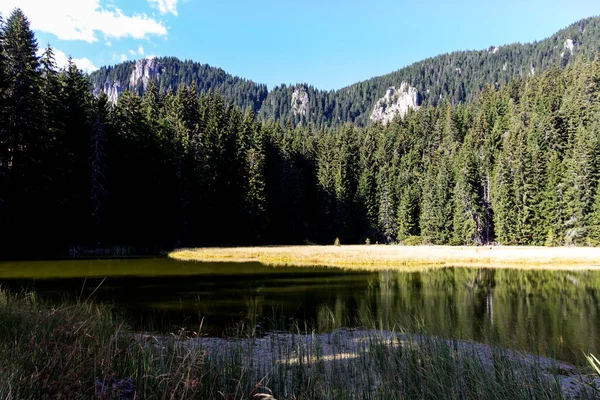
x=374, y=257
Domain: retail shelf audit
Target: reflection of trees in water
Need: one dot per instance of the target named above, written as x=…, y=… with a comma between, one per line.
x=528, y=309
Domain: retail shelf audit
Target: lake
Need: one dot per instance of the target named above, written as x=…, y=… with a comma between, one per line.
x=555, y=313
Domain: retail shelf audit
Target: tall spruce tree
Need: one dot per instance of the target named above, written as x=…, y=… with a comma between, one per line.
x=24, y=139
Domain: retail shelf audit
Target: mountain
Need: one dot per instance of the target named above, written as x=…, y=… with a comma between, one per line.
x=456, y=77
x=170, y=73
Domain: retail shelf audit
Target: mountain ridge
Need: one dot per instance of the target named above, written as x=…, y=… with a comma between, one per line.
x=455, y=77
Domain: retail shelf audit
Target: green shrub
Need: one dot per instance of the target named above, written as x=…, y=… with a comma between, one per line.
x=413, y=241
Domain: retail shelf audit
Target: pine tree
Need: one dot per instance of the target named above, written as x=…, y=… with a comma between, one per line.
x=326, y=155
x=256, y=195
x=367, y=184
x=468, y=218
x=581, y=178
x=409, y=197
x=97, y=157
x=408, y=213
x=346, y=172
x=553, y=202
x=23, y=138
x=4, y=133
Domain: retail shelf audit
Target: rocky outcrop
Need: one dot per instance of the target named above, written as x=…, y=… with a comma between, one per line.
x=395, y=102
x=300, y=102
x=113, y=90
x=144, y=71
x=569, y=46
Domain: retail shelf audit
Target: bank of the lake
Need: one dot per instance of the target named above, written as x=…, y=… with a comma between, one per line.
x=385, y=257
x=82, y=350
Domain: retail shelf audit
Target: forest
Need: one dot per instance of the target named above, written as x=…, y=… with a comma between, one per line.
x=457, y=77
x=516, y=164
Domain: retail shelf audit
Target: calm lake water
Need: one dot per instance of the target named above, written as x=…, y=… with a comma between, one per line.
x=556, y=313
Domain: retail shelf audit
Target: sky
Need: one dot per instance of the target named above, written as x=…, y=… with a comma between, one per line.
x=326, y=43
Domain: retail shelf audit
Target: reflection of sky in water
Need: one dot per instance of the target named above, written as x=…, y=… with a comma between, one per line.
x=553, y=312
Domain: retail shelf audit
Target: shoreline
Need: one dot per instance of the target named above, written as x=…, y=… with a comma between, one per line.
x=83, y=350
x=396, y=257
x=342, y=348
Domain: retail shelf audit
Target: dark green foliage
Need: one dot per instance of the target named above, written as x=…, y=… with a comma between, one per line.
x=518, y=164
x=175, y=73
x=455, y=78
x=22, y=142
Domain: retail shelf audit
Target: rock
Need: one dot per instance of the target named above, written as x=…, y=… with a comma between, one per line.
x=113, y=91
x=505, y=66
x=145, y=70
x=532, y=70
x=395, y=102
x=300, y=102
x=569, y=45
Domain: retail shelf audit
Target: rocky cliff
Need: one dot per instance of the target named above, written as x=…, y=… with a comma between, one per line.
x=395, y=102
x=300, y=102
x=143, y=72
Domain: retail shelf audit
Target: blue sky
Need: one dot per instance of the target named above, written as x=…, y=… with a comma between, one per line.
x=326, y=43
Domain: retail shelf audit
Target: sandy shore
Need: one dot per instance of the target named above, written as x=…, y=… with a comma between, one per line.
x=376, y=257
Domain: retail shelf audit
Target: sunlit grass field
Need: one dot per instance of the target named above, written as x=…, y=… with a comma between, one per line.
x=375, y=257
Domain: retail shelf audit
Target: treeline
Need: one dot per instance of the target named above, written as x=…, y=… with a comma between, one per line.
x=518, y=165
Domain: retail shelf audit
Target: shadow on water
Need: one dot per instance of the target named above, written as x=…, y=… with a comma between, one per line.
x=555, y=313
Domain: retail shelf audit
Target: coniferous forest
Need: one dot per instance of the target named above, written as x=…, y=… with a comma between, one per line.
x=517, y=164
x=456, y=77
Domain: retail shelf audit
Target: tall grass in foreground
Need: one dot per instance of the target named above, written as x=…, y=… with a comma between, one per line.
x=83, y=351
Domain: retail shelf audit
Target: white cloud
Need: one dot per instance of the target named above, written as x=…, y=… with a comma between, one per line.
x=123, y=57
x=83, y=19
x=108, y=43
x=85, y=64
x=140, y=50
x=132, y=52
x=62, y=60
x=165, y=6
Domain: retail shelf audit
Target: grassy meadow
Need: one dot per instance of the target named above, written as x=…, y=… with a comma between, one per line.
x=83, y=351
x=379, y=257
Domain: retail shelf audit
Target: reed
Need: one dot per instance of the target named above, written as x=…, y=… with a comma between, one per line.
x=84, y=351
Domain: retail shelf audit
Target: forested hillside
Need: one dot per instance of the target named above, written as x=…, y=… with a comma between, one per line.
x=168, y=73
x=456, y=77
x=517, y=164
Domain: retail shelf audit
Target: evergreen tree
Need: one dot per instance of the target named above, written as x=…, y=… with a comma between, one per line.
x=97, y=158
x=23, y=140
x=581, y=180
x=256, y=196
x=346, y=172
x=468, y=222
x=367, y=184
